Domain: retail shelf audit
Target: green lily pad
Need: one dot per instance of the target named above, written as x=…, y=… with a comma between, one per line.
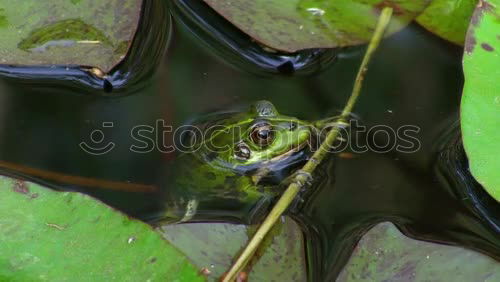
x=301, y=24
x=385, y=254
x=480, y=108
x=62, y=32
x=55, y=236
x=448, y=18
x=213, y=246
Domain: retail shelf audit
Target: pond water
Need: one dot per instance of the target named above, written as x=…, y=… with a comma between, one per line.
x=415, y=79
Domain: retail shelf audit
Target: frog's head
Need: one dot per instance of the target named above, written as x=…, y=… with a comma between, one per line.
x=253, y=139
x=238, y=163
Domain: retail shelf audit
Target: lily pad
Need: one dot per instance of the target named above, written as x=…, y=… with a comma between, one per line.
x=385, y=254
x=294, y=25
x=480, y=108
x=213, y=246
x=448, y=18
x=89, y=33
x=55, y=236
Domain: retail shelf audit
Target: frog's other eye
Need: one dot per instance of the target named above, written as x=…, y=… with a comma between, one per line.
x=242, y=151
x=262, y=134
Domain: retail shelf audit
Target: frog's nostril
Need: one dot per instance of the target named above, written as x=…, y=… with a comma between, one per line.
x=242, y=151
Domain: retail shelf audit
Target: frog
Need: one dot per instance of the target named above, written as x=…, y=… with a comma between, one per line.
x=238, y=164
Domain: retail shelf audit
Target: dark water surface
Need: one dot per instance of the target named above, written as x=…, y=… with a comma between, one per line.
x=414, y=79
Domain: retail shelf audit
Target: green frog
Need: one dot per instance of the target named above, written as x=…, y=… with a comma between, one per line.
x=237, y=164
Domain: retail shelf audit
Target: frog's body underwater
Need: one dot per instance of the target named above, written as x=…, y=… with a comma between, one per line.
x=238, y=163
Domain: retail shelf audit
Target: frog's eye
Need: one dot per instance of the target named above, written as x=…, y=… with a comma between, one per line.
x=262, y=134
x=242, y=151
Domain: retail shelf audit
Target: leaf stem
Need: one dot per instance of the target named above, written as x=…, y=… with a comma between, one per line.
x=301, y=178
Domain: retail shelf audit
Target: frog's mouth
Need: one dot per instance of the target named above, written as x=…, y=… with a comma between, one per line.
x=288, y=153
x=274, y=171
x=310, y=144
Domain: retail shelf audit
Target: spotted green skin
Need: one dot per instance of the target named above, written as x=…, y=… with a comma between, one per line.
x=213, y=183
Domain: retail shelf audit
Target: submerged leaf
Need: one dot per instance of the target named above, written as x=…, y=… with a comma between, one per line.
x=56, y=236
x=61, y=32
x=294, y=25
x=480, y=108
x=448, y=18
x=212, y=246
x=385, y=254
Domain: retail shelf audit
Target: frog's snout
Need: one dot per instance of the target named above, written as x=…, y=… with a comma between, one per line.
x=264, y=108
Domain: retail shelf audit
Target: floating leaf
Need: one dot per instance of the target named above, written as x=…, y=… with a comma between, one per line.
x=56, y=236
x=213, y=246
x=61, y=32
x=385, y=254
x=480, y=108
x=301, y=24
x=448, y=18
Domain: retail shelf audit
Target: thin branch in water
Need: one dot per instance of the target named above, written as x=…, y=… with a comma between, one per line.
x=77, y=180
x=302, y=177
